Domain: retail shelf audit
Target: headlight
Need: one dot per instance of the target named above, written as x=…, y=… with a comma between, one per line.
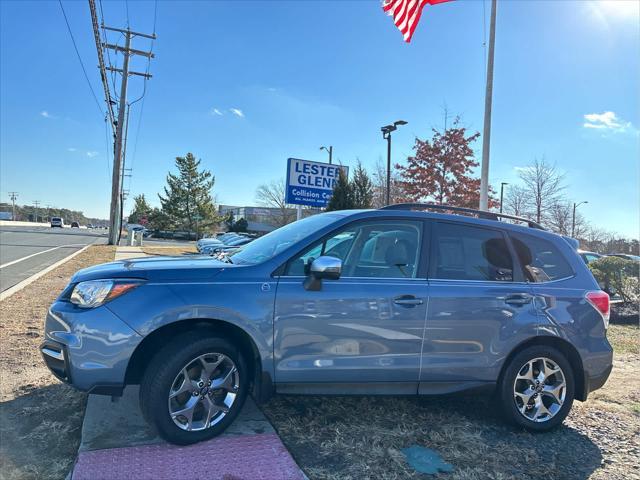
x=96, y=292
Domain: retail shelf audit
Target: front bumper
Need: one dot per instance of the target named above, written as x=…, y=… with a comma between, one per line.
x=88, y=348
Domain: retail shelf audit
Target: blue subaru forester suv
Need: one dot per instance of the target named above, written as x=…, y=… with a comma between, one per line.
x=394, y=301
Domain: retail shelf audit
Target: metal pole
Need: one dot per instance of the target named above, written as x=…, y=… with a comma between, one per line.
x=573, y=221
x=486, y=136
x=330, y=154
x=13, y=197
x=114, y=218
x=502, y=194
x=388, y=195
x=298, y=212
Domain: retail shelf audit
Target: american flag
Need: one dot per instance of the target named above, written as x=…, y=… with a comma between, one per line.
x=406, y=14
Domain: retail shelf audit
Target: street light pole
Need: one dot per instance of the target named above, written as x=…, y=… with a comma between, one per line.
x=330, y=151
x=386, y=134
x=502, y=193
x=573, y=219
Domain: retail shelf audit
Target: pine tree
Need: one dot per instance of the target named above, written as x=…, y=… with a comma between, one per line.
x=342, y=198
x=442, y=170
x=362, y=188
x=187, y=197
x=141, y=210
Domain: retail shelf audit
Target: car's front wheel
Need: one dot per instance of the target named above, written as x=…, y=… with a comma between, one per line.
x=194, y=388
x=537, y=388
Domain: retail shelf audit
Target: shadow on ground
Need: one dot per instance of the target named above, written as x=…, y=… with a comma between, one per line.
x=361, y=438
x=41, y=432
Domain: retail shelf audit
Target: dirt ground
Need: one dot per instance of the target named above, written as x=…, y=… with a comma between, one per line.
x=40, y=418
x=360, y=438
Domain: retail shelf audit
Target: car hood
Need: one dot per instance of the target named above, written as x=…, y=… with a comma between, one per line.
x=192, y=268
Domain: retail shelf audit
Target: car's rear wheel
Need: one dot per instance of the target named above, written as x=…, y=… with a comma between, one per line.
x=537, y=388
x=194, y=388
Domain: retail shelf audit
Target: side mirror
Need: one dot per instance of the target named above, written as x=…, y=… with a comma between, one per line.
x=328, y=268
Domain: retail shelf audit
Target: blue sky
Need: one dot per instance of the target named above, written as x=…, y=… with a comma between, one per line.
x=245, y=85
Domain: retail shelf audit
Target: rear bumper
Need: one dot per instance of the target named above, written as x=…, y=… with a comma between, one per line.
x=597, y=368
x=598, y=381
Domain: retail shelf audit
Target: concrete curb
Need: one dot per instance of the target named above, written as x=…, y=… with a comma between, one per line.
x=28, y=281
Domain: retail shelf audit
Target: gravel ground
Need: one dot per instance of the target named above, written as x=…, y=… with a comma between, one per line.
x=40, y=418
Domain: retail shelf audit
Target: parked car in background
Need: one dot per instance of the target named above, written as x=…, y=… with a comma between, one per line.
x=626, y=256
x=589, y=257
x=57, y=222
x=220, y=240
x=395, y=301
x=75, y=225
x=232, y=244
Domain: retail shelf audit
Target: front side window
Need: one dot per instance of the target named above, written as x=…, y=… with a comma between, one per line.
x=464, y=252
x=540, y=259
x=382, y=249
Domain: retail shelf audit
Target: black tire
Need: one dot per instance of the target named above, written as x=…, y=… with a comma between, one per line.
x=166, y=366
x=505, y=391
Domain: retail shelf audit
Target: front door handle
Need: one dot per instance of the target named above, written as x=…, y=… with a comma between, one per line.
x=518, y=299
x=407, y=301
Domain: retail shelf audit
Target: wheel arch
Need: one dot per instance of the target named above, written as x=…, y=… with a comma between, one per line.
x=260, y=380
x=566, y=348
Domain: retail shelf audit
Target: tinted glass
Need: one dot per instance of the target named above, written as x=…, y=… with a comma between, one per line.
x=540, y=259
x=383, y=249
x=469, y=253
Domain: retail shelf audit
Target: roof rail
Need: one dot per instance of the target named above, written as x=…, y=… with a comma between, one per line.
x=478, y=213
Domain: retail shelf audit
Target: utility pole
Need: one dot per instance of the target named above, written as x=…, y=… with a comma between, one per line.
x=37, y=204
x=488, y=97
x=13, y=196
x=115, y=214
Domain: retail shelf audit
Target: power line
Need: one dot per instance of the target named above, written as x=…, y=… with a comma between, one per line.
x=144, y=92
x=80, y=58
x=101, y=66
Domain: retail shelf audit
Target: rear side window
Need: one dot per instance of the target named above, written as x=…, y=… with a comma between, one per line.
x=540, y=259
x=464, y=252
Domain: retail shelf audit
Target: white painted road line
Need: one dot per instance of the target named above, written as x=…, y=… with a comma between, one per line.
x=8, y=264
x=19, y=286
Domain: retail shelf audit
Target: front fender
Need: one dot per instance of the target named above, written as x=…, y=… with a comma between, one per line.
x=246, y=305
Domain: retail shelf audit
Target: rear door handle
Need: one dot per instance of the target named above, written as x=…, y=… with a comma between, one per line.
x=518, y=299
x=407, y=301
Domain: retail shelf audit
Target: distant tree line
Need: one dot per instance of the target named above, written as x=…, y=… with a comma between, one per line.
x=29, y=213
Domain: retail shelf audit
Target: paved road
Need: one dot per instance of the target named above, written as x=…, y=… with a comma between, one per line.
x=24, y=251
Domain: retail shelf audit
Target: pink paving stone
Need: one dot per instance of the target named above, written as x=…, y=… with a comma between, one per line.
x=231, y=457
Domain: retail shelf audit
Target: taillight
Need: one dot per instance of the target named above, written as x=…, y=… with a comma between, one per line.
x=600, y=301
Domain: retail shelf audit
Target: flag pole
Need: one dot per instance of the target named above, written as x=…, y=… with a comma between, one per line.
x=486, y=136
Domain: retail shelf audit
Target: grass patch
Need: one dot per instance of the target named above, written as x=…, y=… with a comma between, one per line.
x=625, y=339
x=40, y=417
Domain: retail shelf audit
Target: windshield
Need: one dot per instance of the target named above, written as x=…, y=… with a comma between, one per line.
x=273, y=243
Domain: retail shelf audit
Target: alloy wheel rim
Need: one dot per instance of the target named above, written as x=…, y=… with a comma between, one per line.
x=539, y=389
x=203, y=392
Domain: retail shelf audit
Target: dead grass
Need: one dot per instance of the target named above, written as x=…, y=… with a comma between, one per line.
x=360, y=438
x=40, y=417
x=170, y=251
x=625, y=339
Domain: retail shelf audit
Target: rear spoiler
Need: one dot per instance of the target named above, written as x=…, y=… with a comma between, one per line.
x=572, y=241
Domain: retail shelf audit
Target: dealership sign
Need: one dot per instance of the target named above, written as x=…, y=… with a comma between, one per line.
x=311, y=183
